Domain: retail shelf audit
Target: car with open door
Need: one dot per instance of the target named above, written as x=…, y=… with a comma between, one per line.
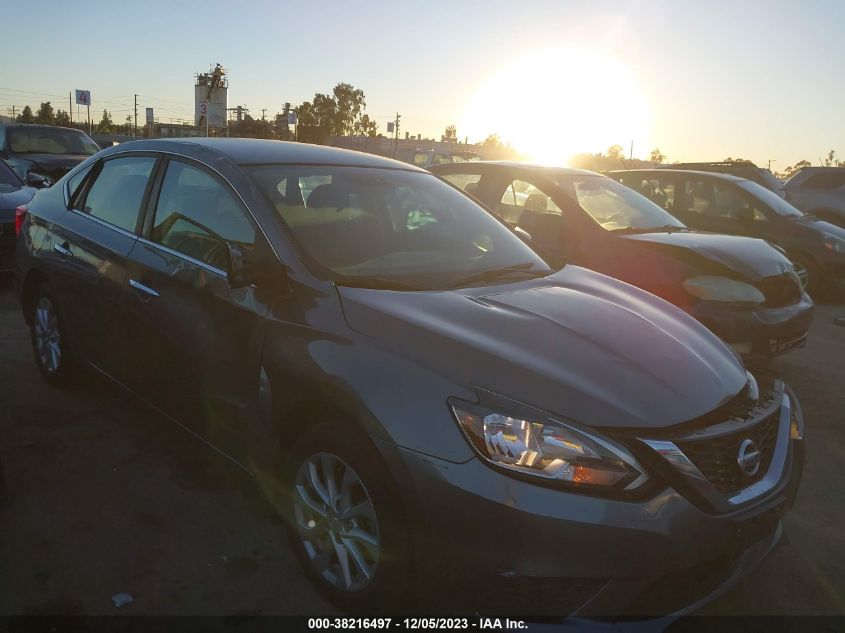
x=743, y=289
x=409, y=383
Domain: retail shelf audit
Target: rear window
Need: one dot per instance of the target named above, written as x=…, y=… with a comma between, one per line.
x=38, y=140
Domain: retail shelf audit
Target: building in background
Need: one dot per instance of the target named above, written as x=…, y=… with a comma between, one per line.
x=211, y=98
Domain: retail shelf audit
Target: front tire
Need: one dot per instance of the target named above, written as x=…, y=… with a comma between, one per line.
x=49, y=338
x=346, y=524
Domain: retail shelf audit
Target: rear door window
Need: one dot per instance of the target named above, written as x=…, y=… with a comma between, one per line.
x=521, y=196
x=468, y=183
x=196, y=215
x=720, y=200
x=118, y=190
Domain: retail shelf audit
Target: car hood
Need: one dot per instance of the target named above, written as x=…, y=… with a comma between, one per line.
x=53, y=161
x=53, y=165
x=816, y=224
x=9, y=199
x=577, y=344
x=750, y=257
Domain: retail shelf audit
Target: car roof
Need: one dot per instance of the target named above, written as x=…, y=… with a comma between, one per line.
x=41, y=126
x=253, y=151
x=513, y=164
x=686, y=172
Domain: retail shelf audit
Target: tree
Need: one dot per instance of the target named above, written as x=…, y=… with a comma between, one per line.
x=26, y=116
x=106, y=125
x=62, y=118
x=492, y=140
x=616, y=152
x=349, y=106
x=339, y=114
x=365, y=127
x=45, y=114
x=830, y=159
x=451, y=134
x=657, y=157
x=791, y=171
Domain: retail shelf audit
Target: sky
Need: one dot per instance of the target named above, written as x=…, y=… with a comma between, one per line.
x=700, y=80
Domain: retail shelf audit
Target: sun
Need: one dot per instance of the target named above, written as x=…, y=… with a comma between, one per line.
x=551, y=104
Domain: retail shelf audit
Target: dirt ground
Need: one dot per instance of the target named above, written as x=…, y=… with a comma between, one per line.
x=104, y=496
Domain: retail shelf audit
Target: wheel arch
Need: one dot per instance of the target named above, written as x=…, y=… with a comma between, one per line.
x=33, y=279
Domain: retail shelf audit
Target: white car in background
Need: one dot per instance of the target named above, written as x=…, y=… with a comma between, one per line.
x=819, y=191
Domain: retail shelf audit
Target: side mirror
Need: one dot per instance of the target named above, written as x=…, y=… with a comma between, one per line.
x=242, y=271
x=522, y=234
x=34, y=179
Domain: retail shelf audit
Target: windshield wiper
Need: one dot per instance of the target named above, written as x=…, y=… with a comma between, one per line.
x=651, y=229
x=495, y=273
x=378, y=283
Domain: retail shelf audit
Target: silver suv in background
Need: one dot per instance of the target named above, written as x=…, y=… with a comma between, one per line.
x=819, y=191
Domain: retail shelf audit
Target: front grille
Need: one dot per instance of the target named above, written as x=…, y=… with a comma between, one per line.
x=782, y=290
x=717, y=457
x=782, y=345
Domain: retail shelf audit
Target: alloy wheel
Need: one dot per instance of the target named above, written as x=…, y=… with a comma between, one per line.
x=48, y=340
x=336, y=522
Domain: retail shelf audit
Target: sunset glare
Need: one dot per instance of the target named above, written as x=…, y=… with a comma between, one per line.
x=551, y=104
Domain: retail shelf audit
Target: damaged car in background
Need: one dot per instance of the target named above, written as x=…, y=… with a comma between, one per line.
x=41, y=154
x=743, y=289
x=415, y=384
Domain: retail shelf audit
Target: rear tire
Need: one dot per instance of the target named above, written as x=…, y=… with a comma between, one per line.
x=345, y=523
x=49, y=338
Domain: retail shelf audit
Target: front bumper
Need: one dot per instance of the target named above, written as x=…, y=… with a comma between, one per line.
x=761, y=332
x=488, y=542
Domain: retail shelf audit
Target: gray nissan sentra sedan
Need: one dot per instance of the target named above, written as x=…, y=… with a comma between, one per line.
x=428, y=403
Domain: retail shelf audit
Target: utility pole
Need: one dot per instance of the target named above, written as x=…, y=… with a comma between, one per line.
x=14, y=119
x=70, y=108
x=135, y=126
x=263, y=110
x=396, y=136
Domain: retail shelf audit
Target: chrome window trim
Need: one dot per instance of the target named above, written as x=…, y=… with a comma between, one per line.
x=187, y=258
x=108, y=225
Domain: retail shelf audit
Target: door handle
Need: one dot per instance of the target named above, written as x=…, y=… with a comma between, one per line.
x=145, y=289
x=63, y=249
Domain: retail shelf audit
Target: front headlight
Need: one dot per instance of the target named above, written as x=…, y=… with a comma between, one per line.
x=549, y=449
x=833, y=243
x=715, y=288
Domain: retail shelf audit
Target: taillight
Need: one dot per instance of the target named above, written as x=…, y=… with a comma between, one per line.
x=20, y=214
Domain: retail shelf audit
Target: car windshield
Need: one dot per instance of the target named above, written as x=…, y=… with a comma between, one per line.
x=39, y=140
x=391, y=228
x=8, y=179
x=613, y=205
x=770, y=199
